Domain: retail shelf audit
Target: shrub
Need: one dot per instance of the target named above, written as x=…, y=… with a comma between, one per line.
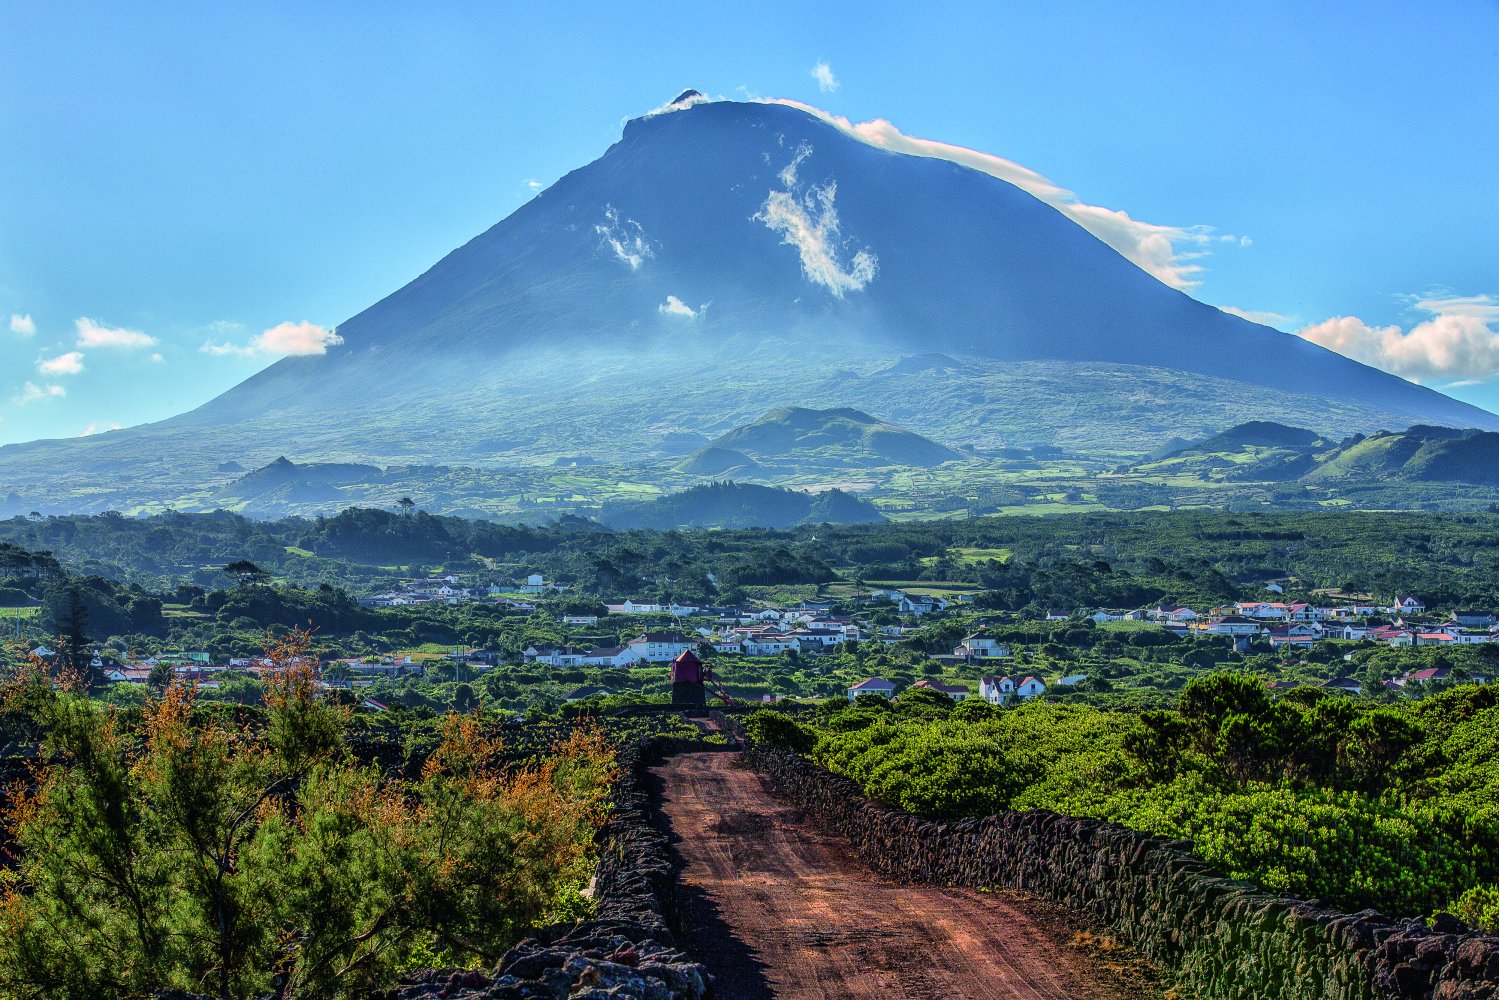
x=777, y=729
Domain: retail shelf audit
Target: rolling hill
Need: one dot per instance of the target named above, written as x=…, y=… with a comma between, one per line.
x=1269, y=452
x=801, y=438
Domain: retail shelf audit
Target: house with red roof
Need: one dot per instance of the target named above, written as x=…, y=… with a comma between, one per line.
x=957, y=692
x=872, y=685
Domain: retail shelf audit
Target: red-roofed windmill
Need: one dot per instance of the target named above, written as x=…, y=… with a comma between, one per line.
x=689, y=679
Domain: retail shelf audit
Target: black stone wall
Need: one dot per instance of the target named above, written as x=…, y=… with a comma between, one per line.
x=1220, y=938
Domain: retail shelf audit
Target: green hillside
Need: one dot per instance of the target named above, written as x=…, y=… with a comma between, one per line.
x=1420, y=454
x=796, y=435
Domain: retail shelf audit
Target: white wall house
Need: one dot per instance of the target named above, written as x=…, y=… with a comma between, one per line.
x=981, y=647
x=660, y=647
x=873, y=685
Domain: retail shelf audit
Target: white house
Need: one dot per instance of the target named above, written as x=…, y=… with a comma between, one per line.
x=1233, y=625
x=1407, y=605
x=1171, y=612
x=817, y=639
x=923, y=605
x=996, y=690
x=611, y=656
x=979, y=646
x=769, y=644
x=660, y=647
x=580, y=619
x=872, y=685
x=1030, y=688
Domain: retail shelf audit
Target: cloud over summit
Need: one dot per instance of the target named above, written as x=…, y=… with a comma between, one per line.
x=1166, y=252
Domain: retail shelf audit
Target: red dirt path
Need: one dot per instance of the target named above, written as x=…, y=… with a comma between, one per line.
x=785, y=910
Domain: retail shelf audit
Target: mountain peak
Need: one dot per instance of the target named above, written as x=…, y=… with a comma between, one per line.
x=686, y=98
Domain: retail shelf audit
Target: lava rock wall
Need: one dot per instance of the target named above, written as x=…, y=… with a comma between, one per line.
x=1218, y=937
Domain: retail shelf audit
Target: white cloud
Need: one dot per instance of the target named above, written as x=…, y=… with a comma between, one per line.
x=93, y=429
x=1166, y=252
x=809, y=222
x=220, y=350
x=92, y=333
x=533, y=184
x=625, y=238
x=1262, y=316
x=674, y=306
x=1246, y=242
x=297, y=339
x=284, y=339
x=687, y=99
x=788, y=173
x=1485, y=307
x=22, y=325
x=156, y=358
x=1455, y=345
x=31, y=392
x=70, y=363
x=826, y=81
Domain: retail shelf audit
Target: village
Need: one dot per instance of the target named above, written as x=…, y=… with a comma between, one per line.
x=637, y=632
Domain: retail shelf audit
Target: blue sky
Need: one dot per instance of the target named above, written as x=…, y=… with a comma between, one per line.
x=189, y=191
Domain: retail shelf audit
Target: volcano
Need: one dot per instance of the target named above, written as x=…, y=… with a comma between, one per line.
x=724, y=258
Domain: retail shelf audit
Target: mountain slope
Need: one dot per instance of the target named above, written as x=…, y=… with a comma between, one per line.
x=728, y=258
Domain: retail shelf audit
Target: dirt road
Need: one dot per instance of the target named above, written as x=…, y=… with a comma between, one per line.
x=786, y=910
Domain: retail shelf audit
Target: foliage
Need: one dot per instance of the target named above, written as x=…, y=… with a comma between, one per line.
x=1393, y=807
x=777, y=729
x=200, y=851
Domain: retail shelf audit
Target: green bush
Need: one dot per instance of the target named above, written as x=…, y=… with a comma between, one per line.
x=777, y=729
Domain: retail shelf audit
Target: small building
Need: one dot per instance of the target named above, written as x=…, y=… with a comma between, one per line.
x=660, y=647
x=689, y=680
x=610, y=656
x=957, y=692
x=872, y=685
x=585, y=692
x=979, y=646
x=998, y=690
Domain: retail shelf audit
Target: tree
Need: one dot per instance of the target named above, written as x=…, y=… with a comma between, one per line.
x=201, y=855
x=407, y=506
x=245, y=572
x=159, y=679
x=70, y=622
